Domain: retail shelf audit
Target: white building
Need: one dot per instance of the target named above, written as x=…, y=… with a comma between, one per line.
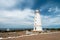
x=37, y=21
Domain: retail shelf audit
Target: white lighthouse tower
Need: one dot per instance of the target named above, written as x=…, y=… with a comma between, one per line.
x=37, y=21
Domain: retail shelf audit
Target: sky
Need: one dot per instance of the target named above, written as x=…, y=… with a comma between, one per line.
x=20, y=13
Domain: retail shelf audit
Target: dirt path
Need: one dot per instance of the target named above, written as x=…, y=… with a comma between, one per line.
x=48, y=36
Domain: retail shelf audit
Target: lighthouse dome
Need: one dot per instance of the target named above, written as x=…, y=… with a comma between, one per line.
x=37, y=11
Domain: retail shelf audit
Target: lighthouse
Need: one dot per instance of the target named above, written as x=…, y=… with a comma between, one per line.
x=37, y=21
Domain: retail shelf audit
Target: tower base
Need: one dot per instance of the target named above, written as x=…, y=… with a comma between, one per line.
x=38, y=29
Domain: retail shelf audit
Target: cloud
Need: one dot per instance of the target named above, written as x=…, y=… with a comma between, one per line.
x=11, y=13
x=8, y=4
x=50, y=15
x=54, y=10
x=25, y=16
x=48, y=21
x=16, y=16
x=26, y=3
